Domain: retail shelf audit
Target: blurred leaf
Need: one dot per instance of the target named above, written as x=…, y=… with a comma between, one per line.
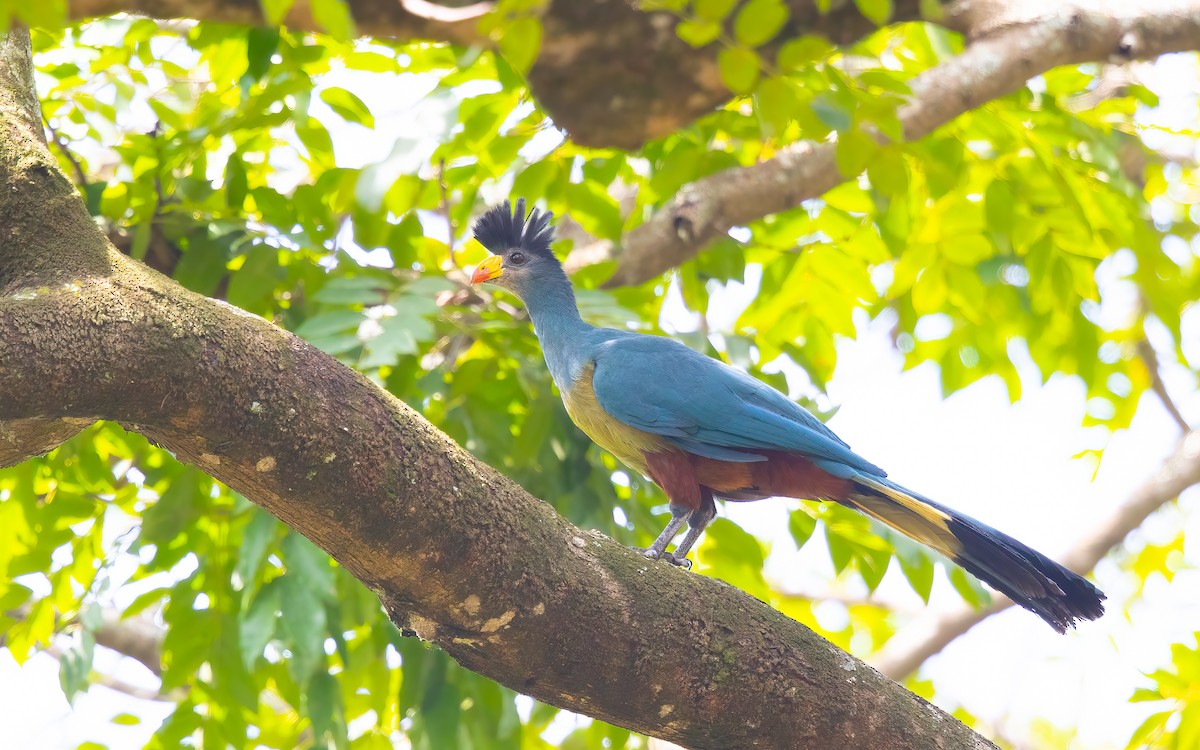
x=739, y=69
x=759, y=21
x=878, y=11
x=348, y=106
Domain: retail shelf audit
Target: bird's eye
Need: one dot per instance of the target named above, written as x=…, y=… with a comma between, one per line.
x=516, y=258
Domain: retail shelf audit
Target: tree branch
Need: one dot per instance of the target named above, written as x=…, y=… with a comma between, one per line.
x=1150, y=357
x=135, y=637
x=909, y=649
x=22, y=439
x=115, y=683
x=456, y=552
x=1010, y=42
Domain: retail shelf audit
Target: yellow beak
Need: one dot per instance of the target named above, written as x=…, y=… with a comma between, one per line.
x=489, y=269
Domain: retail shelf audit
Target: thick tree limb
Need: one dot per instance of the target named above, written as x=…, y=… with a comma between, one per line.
x=1010, y=42
x=455, y=552
x=908, y=650
x=22, y=439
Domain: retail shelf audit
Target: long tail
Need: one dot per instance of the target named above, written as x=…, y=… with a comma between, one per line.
x=1029, y=578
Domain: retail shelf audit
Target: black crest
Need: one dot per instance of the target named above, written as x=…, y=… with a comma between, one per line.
x=501, y=229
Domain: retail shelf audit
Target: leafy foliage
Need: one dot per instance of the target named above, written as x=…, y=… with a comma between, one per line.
x=327, y=185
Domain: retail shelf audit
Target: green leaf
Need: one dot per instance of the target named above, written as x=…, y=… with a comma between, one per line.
x=801, y=524
x=735, y=556
x=739, y=69
x=888, y=172
x=969, y=587
x=855, y=150
x=916, y=564
x=75, y=666
x=1150, y=730
x=261, y=44
x=308, y=563
x=800, y=53
x=840, y=551
x=256, y=626
x=303, y=622
x=759, y=21
x=878, y=12
x=142, y=601
x=236, y=186
x=51, y=15
x=334, y=16
x=777, y=104
x=275, y=10
x=256, y=538
x=698, y=32
x=714, y=10
x=595, y=209
x=352, y=290
x=377, y=180
x=832, y=114
x=521, y=41
x=177, y=509
x=368, y=60
x=320, y=698
x=348, y=106
x=316, y=140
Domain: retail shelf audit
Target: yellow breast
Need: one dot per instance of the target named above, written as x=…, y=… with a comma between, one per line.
x=621, y=440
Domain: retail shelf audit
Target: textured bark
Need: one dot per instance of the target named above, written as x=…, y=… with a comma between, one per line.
x=455, y=552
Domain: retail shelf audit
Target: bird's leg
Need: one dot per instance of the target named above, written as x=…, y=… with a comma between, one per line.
x=698, y=520
x=679, y=516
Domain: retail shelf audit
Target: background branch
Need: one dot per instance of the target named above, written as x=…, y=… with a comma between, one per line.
x=1009, y=44
x=1150, y=357
x=909, y=649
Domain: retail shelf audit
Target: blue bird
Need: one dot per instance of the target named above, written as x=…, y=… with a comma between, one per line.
x=703, y=430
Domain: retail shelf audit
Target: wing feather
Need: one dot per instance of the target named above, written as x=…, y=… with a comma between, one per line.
x=709, y=408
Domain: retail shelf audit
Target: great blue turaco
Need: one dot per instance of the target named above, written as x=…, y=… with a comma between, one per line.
x=703, y=430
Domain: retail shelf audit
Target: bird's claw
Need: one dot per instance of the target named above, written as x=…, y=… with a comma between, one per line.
x=680, y=562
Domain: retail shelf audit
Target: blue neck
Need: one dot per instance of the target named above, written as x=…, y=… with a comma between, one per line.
x=551, y=304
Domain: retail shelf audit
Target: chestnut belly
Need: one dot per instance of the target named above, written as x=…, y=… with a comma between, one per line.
x=781, y=475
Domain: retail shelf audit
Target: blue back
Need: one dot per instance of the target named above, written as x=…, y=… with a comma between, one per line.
x=706, y=407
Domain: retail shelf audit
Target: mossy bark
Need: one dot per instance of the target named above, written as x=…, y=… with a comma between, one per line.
x=455, y=552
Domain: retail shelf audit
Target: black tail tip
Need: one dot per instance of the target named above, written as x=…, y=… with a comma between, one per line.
x=1070, y=599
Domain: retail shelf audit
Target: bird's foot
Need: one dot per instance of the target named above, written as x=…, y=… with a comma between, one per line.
x=648, y=552
x=676, y=560
x=667, y=557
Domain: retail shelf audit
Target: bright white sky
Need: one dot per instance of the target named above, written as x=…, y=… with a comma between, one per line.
x=1011, y=466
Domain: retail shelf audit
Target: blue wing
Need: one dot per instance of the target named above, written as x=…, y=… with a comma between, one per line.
x=710, y=409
